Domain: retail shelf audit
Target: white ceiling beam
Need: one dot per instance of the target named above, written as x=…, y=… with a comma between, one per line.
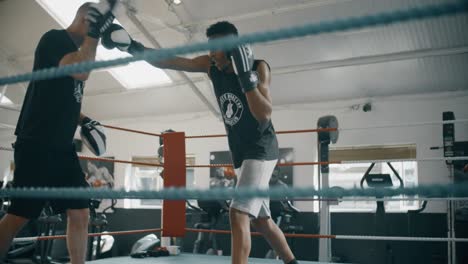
x=13, y=67
x=19, y=58
x=131, y=15
x=15, y=108
x=8, y=126
x=114, y=90
x=366, y=60
x=2, y=93
x=348, y=62
x=260, y=13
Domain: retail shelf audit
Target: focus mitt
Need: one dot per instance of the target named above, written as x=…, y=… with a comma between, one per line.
x=92, y=135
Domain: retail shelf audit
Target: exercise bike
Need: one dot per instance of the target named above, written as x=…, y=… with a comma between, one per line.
x=211, y=212
x=282, y=212
x=97, y=224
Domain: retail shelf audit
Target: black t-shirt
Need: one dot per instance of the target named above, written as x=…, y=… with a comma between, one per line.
x=248, y=139
x=51, y=108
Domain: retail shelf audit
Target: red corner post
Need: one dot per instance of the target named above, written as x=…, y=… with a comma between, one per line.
x=173, y=211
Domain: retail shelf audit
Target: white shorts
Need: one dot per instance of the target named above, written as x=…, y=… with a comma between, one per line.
x=257, y=174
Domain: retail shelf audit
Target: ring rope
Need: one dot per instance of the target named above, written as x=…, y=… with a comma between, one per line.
x=277, y=132
x=350, y=128
x=317, y=130
x=83, y=157
x=378, y=19
x=132, y=130
x=313, y=163
x=344, y=237
x=427, y=123
x=402, y=160
x=374, y=199
x=113, y=233
x=6, y=148
x=228, y=232
x=436, y=190
x=400, y=238
x=286, y=164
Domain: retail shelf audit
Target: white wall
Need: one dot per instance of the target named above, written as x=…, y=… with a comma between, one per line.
x=6, y=138
x=385, y=111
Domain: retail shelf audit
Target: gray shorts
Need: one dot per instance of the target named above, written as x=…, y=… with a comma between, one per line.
x=257, y=174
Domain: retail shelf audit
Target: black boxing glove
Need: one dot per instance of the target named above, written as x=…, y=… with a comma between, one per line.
x=93, y=136
x=100, y=17
x=242, y=61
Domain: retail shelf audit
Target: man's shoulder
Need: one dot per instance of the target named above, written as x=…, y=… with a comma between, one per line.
x=53, y=36
x=262, y=62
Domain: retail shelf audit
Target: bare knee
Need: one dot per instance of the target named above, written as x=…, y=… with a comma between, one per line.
x=13, y=223
x=264, y=221
x=235, y=214
x=261, y=224
x=78, y=217
x=239, y=220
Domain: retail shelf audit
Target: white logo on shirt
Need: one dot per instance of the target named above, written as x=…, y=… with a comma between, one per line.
x=253, y=77
x=78, y=92
x=231, y=107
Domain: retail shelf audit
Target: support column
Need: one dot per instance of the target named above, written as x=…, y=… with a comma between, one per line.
x=323, y=142
x=173, y=211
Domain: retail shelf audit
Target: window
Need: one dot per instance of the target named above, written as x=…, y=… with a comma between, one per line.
x=138, y=74
x=147, y=178
x=4, y=99
x=350, y=175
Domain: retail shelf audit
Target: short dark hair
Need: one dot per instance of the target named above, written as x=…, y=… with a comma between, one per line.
x=222, y=28
x=83, y=9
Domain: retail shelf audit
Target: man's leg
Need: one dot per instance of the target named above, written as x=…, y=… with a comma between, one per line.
x=77, y=234
x=10, y=225
x=240, y=238
x=275, y=238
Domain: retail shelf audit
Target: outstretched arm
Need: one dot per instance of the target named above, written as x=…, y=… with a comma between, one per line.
x=197, y=64
x=117, y=37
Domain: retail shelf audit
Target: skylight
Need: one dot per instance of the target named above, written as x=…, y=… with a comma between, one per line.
x=5, y=100
x=134, y=75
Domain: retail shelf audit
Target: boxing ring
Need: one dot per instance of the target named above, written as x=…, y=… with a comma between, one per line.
x=174, y=194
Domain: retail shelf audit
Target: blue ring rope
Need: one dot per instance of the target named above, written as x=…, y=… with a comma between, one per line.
x=379, y=19
x=429, y=191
